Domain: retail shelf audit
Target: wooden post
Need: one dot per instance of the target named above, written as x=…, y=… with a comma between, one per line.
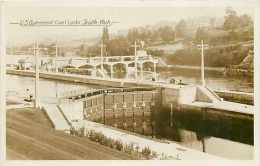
x=154, y=71
x=111, y=71
x=133, y=109
x=203, y=130
x=113, y=103
x=124, y=109
x=142, y=106
x=171, y=116
x=142, y=72
x=104, y=110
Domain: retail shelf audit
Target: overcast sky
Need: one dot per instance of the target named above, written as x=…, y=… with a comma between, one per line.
x=126, y=16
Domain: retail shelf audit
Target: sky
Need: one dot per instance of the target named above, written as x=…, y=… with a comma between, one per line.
x=126, y=17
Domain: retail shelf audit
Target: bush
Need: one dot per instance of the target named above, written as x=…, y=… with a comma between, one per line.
x=110, y=142
x=146, y=152
x=118, y=145
x=154, y=154
x=81, y=131
x=129, y=148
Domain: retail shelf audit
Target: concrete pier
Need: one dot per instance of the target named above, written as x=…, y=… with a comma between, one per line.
x=240, y=97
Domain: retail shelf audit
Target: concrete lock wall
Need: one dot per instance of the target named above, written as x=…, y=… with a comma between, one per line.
x=186, y=94
x=116, y=105
x=170, y=95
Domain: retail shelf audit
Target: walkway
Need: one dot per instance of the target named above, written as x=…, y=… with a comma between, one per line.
x=167, y=148
x=56, y=117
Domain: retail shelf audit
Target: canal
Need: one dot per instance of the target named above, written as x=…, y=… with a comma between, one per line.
x=49, y=90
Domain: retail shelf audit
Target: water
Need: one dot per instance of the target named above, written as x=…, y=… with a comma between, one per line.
x=216, y=146
x=49, y=90
x=213, y=80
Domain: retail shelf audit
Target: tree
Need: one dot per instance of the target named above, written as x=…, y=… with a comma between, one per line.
x=105, y=35
x=118, y=46
x=201, y=34
x=82, y=50
x=181, y=28
x=132, y=35
x=246, y=20
x=239, y=27
x=105, y=38
x=167, y=34
x=232, y=21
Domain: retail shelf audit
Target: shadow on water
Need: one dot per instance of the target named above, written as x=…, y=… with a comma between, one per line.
x=163, y=124
x=217, y=137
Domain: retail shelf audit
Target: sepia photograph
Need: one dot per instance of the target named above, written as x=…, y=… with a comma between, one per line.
x=129, y=83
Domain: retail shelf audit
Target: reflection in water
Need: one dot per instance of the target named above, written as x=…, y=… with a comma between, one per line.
x=209, y=144
x=49, y=90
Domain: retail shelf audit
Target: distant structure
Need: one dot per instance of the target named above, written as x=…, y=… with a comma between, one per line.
x=99, y=66
x=248, y=61
x=245, y=68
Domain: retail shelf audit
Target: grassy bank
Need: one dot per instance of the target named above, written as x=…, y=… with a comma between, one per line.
x=31, y=136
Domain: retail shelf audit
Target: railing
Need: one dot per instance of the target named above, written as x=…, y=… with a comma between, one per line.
x=80, y=93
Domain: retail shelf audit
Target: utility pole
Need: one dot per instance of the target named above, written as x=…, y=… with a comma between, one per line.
x=202, y=68
x=56, y=68
x=37, y=74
